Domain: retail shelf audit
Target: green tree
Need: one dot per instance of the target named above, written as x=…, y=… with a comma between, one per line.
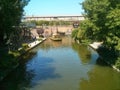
x=102, y=21
x=11, y=12
x=74, y=34
x=96, y=12
x=113, y=25
x=103, y=24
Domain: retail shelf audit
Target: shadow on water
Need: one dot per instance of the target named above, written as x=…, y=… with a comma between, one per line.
x=16, y=79
x=29, y=74
x=101, y=62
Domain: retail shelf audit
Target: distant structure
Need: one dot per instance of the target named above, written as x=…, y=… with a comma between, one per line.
x=54, y=18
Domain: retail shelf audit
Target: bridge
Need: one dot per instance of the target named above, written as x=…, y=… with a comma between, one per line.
x=54, y=18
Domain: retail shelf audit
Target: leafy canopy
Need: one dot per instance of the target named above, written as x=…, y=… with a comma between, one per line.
x=11, y=12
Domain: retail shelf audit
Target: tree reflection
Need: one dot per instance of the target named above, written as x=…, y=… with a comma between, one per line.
x=24, y=58
x=29, y=73
x=17, y=79
x=101, y=78
x=83, y=52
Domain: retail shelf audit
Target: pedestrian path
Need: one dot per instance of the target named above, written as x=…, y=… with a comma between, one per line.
x=96, y=45
x=35, y=43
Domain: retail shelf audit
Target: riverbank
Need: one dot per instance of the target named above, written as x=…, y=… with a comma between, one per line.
x=96, y=46
x=4, y=72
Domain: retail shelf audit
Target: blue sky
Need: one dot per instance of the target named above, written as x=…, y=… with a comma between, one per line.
x=53, y=7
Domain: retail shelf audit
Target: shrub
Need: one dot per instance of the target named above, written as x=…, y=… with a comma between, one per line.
x=25, y=46
x=117, y=64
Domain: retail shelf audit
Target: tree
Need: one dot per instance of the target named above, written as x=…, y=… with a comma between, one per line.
x=78, y=34
x=113, y=25
x=96, y=12
x=11, y=12
x=74, y=34
x=103, y=24
x=103, y=21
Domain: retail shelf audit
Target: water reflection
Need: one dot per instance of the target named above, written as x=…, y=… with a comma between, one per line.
x=63, y=65
x=101, y=62
x=18, y=79
x=49, y=44
x=42, y=68
x=83, y=52
x=29, y=74
x=101, y=78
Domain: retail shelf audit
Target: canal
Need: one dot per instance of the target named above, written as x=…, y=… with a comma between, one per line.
x=63, y=65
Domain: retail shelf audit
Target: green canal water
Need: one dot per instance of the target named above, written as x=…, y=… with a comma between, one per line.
x=63, y=65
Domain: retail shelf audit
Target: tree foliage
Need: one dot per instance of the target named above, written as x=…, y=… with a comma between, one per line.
x=50, y=23
x=11, y=12
x=102, y=21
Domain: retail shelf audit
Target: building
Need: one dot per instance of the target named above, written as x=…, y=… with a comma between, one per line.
x=54, y=18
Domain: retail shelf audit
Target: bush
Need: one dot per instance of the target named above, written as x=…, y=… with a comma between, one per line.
x=117, y=64
x=14, y=53
x=25, y=46
x=39, y=39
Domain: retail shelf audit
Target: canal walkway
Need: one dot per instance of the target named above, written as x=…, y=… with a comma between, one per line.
x=96, y=46
x=35, y=43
